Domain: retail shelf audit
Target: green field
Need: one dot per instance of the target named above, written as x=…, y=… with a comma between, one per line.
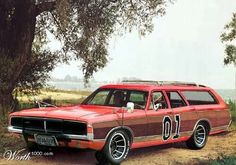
x=53, y=96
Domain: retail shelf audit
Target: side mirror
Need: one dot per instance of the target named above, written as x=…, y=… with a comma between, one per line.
x=130, y=107
x=157, y=106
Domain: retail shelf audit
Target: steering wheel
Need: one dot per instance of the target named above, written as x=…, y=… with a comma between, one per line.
x=137, y=106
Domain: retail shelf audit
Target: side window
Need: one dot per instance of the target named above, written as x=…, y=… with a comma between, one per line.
x=175, y=100
x=118, y=98
x=199, y=97
x=158, y=99
x=138, y=98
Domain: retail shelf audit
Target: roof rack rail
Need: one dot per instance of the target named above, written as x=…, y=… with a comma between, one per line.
x=177, y=83
x=141, y=82
x=161, y=82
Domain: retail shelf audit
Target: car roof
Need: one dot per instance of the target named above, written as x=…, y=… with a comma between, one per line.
x=150, y=87
x=163, y=85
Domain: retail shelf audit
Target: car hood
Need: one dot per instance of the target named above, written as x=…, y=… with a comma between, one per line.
x=81, y=112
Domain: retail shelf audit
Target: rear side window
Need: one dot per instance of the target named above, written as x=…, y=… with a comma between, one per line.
x=175, y=100
x=136, y=96
x=199, y=97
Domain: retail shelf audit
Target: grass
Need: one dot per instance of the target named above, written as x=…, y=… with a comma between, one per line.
x=232, y=107
x=67, y=91
x=229, y=160
x=53, y=96
x=9, y=141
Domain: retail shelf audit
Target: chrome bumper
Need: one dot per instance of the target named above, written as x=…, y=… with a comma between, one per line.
x=89, y=136
x=14, y=130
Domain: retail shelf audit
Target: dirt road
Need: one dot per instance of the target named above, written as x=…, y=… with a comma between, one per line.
x=218, y=145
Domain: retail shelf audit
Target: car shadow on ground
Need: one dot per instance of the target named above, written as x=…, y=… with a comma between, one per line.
x=69, y=156
x=87, y=157
x=157, y=149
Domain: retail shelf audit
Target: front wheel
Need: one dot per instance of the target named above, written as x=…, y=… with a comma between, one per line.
x=117, y=147
x=199, y=137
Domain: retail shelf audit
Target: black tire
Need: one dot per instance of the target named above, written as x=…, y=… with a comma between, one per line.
x=100, y=157
x=116, y=148
x=199, y=138
x=31, y=146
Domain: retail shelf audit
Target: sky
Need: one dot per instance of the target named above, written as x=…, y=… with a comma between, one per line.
x=184, y=46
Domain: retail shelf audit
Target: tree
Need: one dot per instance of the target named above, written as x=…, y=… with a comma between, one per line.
x=83, y=27
x=228, y=37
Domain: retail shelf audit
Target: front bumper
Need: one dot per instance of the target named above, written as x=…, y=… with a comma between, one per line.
x=64, y=140
x=14, y=130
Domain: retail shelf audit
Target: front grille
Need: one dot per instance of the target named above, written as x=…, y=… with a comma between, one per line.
x=33, y=124
x=17, y=122
x=54, y=126
x=49, y=125
x=74, y=128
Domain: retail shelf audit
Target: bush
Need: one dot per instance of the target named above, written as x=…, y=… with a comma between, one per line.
x=232, y=106
x=231, y=160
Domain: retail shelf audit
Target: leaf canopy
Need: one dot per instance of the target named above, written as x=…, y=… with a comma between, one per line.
x=229, y=37
x=85, y=26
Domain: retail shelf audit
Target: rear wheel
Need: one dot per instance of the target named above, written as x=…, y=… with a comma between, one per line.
x=116, y=148
x=199, y=138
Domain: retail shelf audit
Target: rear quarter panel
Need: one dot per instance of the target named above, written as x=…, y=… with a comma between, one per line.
x=218, y=115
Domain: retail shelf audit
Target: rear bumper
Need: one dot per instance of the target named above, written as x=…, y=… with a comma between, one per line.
x=65, y=140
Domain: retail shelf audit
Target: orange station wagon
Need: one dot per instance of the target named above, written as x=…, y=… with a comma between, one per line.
x=132, y=114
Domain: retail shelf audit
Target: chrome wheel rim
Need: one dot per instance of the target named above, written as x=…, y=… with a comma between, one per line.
x=200, y=135
x=117, y=146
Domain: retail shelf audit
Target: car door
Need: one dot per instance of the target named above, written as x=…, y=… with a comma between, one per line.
x=136, y=120
x=159, y=116
x=185, y=116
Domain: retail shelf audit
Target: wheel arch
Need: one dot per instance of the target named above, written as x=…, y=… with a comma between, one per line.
x=205, y=122
x=127, y=130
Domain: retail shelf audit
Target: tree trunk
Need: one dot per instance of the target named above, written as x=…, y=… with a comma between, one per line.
x=5, y=104
x=17, y=25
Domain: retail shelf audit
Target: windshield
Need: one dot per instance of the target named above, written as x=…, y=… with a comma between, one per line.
x=117, y=98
